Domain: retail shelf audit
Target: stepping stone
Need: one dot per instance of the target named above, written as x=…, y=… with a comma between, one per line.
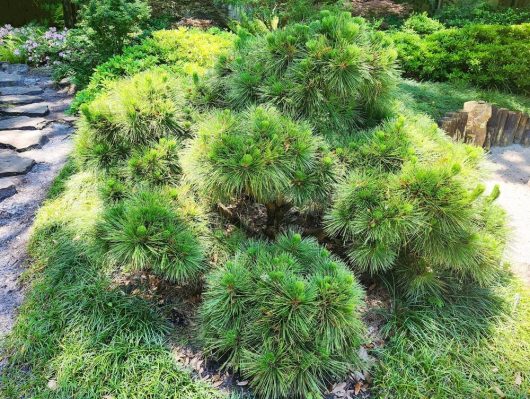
x=22, y=123
x=12, y=164
x=7, y=188
x=21, y=99
x=15, y=68
x=22, y=140
x=8, y=79
x=20, y=91
x=37, y=109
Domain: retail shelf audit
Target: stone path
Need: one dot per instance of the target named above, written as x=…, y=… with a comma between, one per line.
x=34, y=144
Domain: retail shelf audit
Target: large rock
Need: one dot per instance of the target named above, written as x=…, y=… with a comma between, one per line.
x=20, y=99
x=20, y=91
x=38, y=109
x=12, y=164
x=22, y=140
x=22, y=123
x=478, y=115
x=8, y=79
x=7, y=188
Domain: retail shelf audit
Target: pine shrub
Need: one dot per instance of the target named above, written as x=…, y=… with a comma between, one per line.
x=412, y=206
x=285, y=315
x=262, y=155
x=334, y=71
x=146, y=232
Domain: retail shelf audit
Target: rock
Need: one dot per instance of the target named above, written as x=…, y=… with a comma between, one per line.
x=7, y=188
x=12, y=164
x=22, y=123
x=510, y=128
x=15, y=68
x=37, y=109
x=8, y=79
x=22, y=140
x=20, y=99
x=478, y=115
x=20, y=91
x=519, y=132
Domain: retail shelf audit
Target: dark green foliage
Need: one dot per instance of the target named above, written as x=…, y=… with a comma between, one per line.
x=459, y=15
x=146, y=232
x=422, y=24
x=490, y=56
x=136, y=112
x=335, y=72
x=418, y=212
x=285, y=316
x=263, y=155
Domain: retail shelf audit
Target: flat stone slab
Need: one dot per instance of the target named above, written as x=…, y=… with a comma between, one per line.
x=9, y=79
x=22, y=123
x=37, y=109
x=20, y=91
x=12, y=164
x=7, y=188
x=20, y=99
x=22, y=140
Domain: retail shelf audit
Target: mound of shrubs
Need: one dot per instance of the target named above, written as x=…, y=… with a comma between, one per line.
x=459, y=15
x=412, y=205
x=285, y=315
x=422, y=24
x=489, y=56
x=183, y=51
x=335, y=72
x=145, y=232
x=262, y=155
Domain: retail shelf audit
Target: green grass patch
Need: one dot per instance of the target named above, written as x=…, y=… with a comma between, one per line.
x=79, y=335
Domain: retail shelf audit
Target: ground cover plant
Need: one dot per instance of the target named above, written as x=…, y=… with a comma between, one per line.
x=481, y=13
x=488, y=56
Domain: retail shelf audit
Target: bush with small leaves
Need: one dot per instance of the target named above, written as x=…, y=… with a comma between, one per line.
x=335, y=71
x=146, y=232
x=284, y=315
x=136, y=112
x=262, y=155
x=422, y=24
x=417, y=211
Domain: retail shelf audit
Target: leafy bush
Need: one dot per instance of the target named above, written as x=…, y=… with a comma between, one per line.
x=490, y=56
x=184, y=51
x=263, y=155
x=483, y=13
x=412, y=205
x=138, y=111
x=105, y=27
x=285, y=315
x=422, y=24
x=335, y=71
x=145, y=232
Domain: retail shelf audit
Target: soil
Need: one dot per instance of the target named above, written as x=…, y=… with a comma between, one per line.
x=511, y=171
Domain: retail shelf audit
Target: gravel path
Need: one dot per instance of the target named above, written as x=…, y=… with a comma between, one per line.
x=42, y=149
x=511, y=170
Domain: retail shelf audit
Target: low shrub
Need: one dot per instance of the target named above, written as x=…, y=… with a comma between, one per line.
x=459, y=15
x=335, y=71
x=285, y=315
x=412, y=205
x=184, y=51
x=262, y=155
x=138, y=111
x=489, y=56
x=145, y=232
x=422, y=24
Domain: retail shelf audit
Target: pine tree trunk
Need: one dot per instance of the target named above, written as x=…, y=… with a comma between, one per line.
x=69, y=13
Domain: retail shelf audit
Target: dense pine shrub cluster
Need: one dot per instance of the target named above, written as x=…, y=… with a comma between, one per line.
x=264, y=156
x=336, y=72
x=284, y=314
x=413, y=205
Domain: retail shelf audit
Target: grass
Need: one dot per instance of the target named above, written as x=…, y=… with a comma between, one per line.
x=78, y=335
x=436, y=99
x=477, y=346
